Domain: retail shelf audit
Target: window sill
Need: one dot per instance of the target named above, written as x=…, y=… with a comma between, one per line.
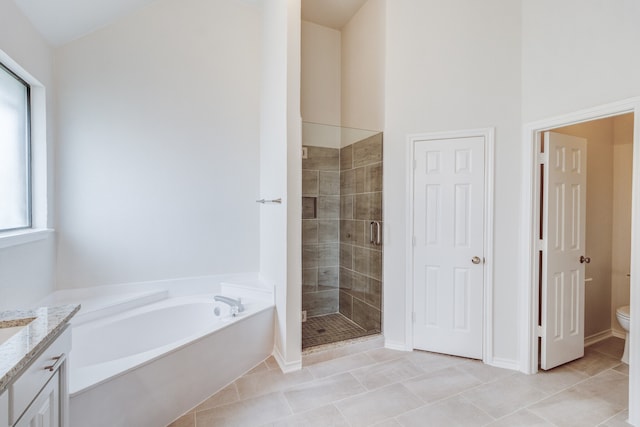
x=20, y=237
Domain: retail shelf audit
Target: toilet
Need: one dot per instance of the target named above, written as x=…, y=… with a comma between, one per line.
x=622, y=314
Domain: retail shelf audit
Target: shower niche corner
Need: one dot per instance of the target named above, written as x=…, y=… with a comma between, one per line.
x=341, y=233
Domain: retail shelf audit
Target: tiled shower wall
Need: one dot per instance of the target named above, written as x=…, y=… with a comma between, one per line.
x=320, y=230
x=361, y=260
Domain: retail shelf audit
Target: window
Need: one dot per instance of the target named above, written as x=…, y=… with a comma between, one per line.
x=15, y=157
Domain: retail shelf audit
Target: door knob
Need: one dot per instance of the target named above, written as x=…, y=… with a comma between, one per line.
x=476, y=260
x=584, y=259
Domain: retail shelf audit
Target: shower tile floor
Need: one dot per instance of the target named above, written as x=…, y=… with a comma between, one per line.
x=330, y=328
x=364, y=384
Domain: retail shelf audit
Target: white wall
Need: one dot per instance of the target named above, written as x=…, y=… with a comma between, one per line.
x=363, y=65
x=281, y=173
x=343, y=71
x=27, y=270
x=320, y=77
x=578, y=54
x=159, y=145
x=453, y=65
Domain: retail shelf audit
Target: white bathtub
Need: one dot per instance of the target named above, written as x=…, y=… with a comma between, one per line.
x=147, y=365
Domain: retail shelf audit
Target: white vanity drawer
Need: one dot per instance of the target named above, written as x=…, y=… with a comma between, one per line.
x=28, y=385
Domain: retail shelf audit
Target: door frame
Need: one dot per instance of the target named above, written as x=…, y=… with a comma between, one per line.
x=529, y=300
x=489, y=137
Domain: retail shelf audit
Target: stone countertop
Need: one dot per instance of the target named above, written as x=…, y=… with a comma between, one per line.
x=43, y=325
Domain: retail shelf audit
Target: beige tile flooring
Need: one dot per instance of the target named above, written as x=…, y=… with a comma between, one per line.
x=363, y=384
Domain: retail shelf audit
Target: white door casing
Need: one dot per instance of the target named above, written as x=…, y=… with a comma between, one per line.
x=449, y=231
x=563, y=243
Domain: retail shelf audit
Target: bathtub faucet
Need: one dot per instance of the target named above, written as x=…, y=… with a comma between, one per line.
x=235, y=304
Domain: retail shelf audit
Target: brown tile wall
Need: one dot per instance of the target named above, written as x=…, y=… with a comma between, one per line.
x=320, y=230
x=360, y=281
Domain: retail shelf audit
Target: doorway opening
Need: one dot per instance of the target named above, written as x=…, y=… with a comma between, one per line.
x=532, y=332
x=584, y=250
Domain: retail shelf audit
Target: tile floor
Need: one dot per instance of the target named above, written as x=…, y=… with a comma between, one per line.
x=363, y=384
x=330, y=328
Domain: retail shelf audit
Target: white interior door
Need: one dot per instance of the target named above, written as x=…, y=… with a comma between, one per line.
x=448, y=252
x=564, y=198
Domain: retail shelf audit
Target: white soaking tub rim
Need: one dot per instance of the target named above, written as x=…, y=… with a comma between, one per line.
x=87, y=377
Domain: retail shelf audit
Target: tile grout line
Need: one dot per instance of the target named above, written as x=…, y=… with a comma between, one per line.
x=458, y=394
x=612, y=417
x=493, y=419
x=342, y=414
x=293, y=413
x=461, y=394
x=366, y=390
x=542, y=417
x=550, y=395
x=368, y=353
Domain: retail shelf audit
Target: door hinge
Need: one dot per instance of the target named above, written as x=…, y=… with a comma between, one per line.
x=540, y=245
x=413, y=240
x=413, y=316
x=539, y=331
x=415, y=164
x=542, y=159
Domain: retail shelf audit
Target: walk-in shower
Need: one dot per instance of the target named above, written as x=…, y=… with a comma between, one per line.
x=341, y=233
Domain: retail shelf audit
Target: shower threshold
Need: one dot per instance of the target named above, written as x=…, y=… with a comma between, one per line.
x=330, y=328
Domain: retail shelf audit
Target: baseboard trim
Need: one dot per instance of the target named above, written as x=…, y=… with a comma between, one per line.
x=619, y=334
x=399, y=346
x=596, y=338
x=500, y=362
x=285, y=366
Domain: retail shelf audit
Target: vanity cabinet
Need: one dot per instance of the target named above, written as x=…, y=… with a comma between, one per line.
x=39, y=396
x=4, y=409
x=44, y=411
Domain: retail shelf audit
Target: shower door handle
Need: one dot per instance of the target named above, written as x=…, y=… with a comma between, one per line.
x=377, y=239
x=371, y=240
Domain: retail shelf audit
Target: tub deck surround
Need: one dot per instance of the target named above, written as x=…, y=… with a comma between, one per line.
x=139, y=336
x=163, y=356
x=116, y=298
x=40, y=326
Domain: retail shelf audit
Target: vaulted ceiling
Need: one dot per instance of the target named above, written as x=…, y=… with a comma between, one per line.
x=61, y=21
